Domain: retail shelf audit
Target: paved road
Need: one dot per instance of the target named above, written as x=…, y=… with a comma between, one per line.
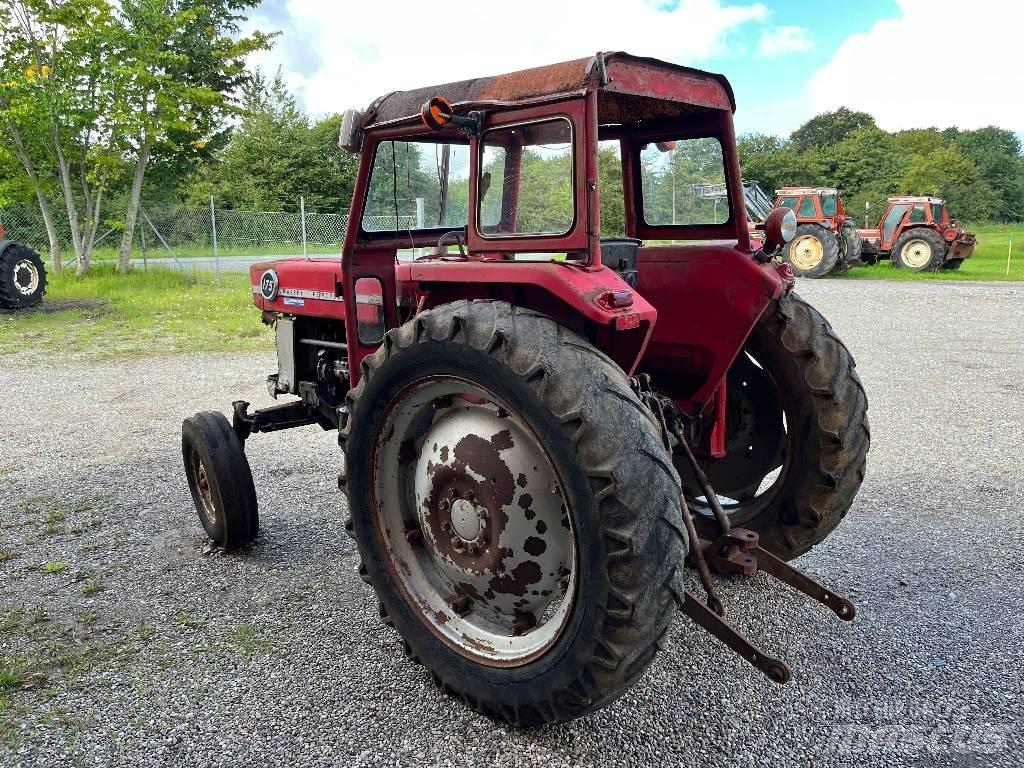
x=227, y=263
x=138, y=646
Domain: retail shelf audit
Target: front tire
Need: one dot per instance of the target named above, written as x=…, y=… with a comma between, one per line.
x=919, y=250
x=22, y=277
x=220, y=479
x=813, y=251
x=546, y=448
x=797, y=434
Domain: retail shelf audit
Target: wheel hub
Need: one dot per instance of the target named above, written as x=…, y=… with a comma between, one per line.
x=806, y=252
x=916, y=253
x=26, y=277
x=467, y=519
x=484, y=547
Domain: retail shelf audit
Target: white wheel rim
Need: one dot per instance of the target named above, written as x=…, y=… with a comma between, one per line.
x=26, y=277
x=806, y=252
x=916, y=253
x=488, y=563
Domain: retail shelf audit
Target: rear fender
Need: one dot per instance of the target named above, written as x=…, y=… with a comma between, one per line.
x=709, y=298
x=577, y=298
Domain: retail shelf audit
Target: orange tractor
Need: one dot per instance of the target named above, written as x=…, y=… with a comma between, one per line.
x=917, y=233
x=826, y=238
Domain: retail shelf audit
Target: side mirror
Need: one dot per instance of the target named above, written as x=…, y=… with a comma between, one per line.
x=350, y=138
x=438, y=113
x=779, y=229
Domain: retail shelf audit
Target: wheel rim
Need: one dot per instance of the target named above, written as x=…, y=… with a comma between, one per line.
x=916, y=253
x=206, y=506
x=806, y=252
x=26, y=277
x=473, y=521
x=742, y=414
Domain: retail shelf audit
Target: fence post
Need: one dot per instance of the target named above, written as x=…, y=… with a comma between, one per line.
x=142, y=244
x=302, y=214
x=213, y=225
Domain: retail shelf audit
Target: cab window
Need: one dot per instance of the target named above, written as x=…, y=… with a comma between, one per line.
x=938, y=210
x=828, y=205
x=892, y=220
x=526, y=180
x=417, y=185
x=674, y=178
x=807, y=210
x=789, y=202
x=917, y=216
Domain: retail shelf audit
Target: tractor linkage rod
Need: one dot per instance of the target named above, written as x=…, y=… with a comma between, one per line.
x=734, y=551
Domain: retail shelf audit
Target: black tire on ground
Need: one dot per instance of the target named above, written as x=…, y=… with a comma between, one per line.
x=813, y=251
x=953, y=264
x=851, y=247
x=220, y=479
x=619, y=490
x=806, y=372
x=919, y=249
x=22, y=277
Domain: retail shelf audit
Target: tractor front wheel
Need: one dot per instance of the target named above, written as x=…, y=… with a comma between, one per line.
x=515, y=510
x=22, y=277
x=220, y=479
x=919, y=249
x=813, y=251
x=797, y=434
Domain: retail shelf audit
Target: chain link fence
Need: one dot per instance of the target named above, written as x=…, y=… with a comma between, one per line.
x=198, y=238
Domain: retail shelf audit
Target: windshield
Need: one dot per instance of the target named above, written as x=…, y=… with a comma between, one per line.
x=828, y=205
x=938, y=211
x=417, y=185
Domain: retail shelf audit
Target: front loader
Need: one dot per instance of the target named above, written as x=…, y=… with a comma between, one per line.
x=540, y=426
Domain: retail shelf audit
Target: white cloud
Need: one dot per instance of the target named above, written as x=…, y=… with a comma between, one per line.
x=340, y=55
x=941, y=63
x=779, y=40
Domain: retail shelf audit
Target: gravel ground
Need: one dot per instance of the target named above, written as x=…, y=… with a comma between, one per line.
x=135, y=644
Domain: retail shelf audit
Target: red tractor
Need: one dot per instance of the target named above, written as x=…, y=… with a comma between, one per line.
x=826, y=238
x=917, y=233
x=22, y=275
x=540, y=426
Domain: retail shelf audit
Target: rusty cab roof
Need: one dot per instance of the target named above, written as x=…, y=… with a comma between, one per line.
x=917, y=199
x=807, y=191
x=629, y=88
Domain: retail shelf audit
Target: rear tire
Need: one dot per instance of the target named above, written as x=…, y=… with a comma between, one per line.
x=813, y=251
x=220, y=479
x=619, y=494
x=851, y=246
x=919, y=249
x=806, y=373
x=22, y=277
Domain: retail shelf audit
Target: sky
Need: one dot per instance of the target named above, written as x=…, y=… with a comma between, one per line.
x=910, y=63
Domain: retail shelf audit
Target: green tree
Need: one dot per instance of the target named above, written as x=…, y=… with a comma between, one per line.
x=275, y=155
x=830, y=128
x=996, y=153
x=178, y=62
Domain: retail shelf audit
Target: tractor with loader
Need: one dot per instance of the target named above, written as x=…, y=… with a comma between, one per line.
x=542, y=428
x=22, y=275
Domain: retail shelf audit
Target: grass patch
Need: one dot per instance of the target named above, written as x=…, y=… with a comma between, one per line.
x=55, y=567
x=251, y=641
x=987, y=263
x=105, y=314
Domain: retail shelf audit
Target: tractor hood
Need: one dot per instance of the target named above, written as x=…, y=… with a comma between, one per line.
x=308, y=286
